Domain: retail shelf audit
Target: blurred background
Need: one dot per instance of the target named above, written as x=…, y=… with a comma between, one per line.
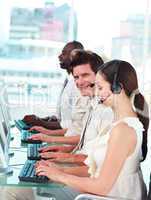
x=33, y=33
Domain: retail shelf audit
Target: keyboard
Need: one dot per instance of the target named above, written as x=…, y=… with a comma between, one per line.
x=32, y=151
x=25, y=137
x=28, y=173
x=22, y=125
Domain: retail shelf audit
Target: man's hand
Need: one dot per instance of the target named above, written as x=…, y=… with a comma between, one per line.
x=57, y=156
x=57, y=149
x=40, y=129
x=61, y=157
x=49, y=148
x=41, y=137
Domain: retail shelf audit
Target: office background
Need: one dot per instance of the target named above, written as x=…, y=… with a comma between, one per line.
x=33, y=33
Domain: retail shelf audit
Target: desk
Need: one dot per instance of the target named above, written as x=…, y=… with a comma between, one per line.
x=16, y=162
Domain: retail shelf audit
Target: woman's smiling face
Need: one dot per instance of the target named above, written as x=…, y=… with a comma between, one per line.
x=103, y=90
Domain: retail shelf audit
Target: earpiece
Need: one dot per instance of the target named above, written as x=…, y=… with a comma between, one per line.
x=116, y=86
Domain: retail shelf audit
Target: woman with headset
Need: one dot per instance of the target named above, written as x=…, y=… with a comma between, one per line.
x=113, y=162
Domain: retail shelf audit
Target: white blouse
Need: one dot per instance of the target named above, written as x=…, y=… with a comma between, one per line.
x=130, y=181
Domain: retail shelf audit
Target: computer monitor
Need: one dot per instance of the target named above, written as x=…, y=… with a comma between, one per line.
x=6, y=131
x=3, y=140
x=4, y=102
x=6, y=113
x=4, y=155
x=5, y=125
x=3, y=161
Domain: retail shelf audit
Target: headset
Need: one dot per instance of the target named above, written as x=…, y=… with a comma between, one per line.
x=116, y=87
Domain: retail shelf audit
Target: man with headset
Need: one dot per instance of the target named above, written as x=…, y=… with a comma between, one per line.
x=84, y=68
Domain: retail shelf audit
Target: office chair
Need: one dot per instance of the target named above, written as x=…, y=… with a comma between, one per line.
x=149, y=191
x=95, y=197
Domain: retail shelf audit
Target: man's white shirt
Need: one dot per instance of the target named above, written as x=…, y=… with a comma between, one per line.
x=67, y=101
x=100, y=118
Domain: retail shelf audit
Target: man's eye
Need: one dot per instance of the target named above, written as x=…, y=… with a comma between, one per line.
x=76, y=77
x=85, y=75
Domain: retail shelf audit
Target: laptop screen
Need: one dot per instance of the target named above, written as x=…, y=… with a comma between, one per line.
x=4, y=125
x=2, y=142
x=3, y=151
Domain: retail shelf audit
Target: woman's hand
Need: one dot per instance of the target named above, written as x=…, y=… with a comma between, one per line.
x=49, y=169
x=41, y=137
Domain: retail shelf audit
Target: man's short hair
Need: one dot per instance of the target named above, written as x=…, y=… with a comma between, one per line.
x=80, y=57
x=76, y=44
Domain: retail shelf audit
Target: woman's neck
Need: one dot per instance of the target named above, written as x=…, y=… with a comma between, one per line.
x=123, y=108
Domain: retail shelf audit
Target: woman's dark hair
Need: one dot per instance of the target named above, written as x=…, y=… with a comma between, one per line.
x=80, y=57
x=127, y=77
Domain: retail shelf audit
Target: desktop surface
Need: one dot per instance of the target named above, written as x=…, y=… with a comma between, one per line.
x=16, y=163
x=13, y=180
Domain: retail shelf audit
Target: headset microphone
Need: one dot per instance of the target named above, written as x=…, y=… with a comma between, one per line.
x=102, y=99
x=98, y=100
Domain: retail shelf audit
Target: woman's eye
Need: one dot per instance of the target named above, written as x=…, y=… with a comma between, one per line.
x=99, y=88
